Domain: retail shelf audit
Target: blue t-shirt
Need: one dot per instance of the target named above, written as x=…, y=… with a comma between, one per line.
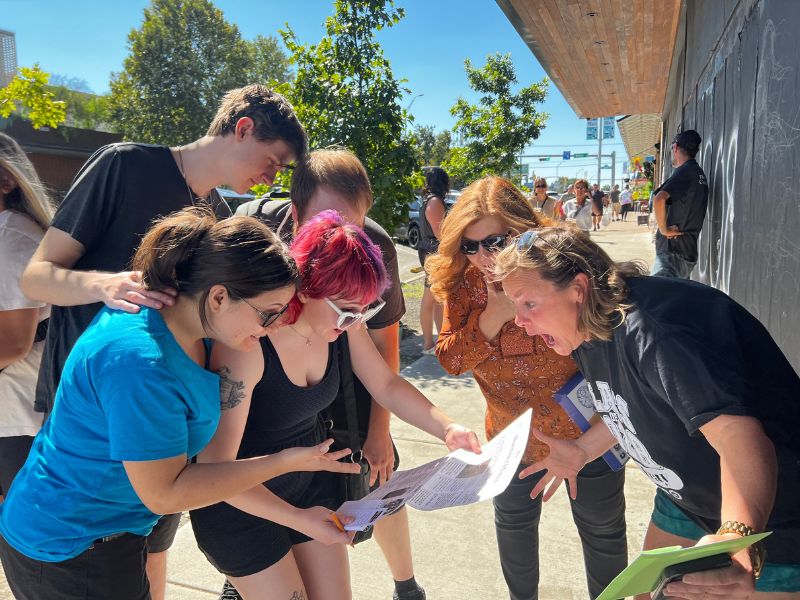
x=128, y=393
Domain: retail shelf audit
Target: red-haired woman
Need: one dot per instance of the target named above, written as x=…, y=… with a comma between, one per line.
x=278, y=538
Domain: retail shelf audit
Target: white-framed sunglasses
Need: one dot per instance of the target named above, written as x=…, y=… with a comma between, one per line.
x=348, y=319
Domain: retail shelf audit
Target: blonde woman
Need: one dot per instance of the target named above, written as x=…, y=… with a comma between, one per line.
x=25, y=213
x=516, y=372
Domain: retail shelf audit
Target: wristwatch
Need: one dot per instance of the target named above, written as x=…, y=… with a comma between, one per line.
x=758, y=553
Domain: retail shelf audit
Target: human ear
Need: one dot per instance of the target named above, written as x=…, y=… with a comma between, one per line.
x=218, y=296
x=243, y=126
x=580, y=284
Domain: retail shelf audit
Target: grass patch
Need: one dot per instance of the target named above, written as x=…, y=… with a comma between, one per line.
x=413, y=290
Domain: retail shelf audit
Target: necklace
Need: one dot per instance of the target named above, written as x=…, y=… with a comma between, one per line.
x=185, y=180
x=307, y=339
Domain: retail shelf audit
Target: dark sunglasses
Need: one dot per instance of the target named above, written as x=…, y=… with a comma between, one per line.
x=493, y=243
x=268, y=317
x=541, y=186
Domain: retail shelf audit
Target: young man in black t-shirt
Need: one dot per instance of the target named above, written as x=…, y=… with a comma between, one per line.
x=680, y=205
x=335, y=179
x=82, y=260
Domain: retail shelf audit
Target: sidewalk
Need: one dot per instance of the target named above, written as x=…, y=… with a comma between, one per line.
x=455, y=553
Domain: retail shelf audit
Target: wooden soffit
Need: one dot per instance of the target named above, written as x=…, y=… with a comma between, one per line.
x=639, y=134
x=608, y=57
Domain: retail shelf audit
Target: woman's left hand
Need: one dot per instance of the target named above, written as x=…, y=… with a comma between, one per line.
x=457, y=436
x=731, y=583
x=318, y=458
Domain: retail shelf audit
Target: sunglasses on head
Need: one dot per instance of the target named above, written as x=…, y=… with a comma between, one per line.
x=268, y=317
x=493, y=243
x=348, y=319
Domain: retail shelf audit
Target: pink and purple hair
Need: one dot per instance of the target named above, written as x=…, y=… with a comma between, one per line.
x=335, y=260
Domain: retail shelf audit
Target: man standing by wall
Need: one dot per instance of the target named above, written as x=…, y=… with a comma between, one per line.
x=680, y=208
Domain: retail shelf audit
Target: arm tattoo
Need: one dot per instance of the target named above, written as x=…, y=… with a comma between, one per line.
x=231, y=393
x=297, y=596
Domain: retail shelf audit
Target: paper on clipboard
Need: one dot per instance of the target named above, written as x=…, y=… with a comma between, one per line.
x=643, y=573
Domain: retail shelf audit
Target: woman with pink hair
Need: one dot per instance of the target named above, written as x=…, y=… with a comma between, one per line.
x=278, y=538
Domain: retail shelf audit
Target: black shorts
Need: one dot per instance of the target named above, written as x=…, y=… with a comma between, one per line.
x=13, y=454
x=238, y=544
x=112, y=569
x=422, y=255
x=163, y=534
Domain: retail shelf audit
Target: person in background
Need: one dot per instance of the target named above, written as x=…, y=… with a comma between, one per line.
x=25, y=213
x=431, y=213
x=615, y=206
x=136, y=402
x=561, y=212
x=84, y=259
x=679, y=205
x=543, y=203
x=278, y=540
x=692, y=387
x=516, y=372
x=334, y=179
x=581, y=213
x=626, y=202
x=598, y=202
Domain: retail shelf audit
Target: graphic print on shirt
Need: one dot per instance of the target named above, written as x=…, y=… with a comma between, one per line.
x=614, y=411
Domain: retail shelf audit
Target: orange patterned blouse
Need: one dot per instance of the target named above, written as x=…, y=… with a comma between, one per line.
x=514, y=371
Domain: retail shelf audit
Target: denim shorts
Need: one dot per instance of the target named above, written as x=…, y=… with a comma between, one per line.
x=668, y=517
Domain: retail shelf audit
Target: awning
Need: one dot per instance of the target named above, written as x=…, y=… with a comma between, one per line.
x=640, y=134
x=609, y=57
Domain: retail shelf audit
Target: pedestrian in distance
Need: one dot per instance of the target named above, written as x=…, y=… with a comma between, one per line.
x=543, y=203
x=598, y=203
x=84, y=259
x=626, y=202
x=25, y=213
x=691, y=385
x=581, y=212
x=517, y=372
x=431, y=213
x=615, y=205
x=334, y=179
x=136, y=402
x=279, y=540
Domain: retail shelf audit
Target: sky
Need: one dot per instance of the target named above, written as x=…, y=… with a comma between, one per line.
x=87, y=39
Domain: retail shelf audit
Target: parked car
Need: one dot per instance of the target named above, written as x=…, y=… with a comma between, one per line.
x=409, y=232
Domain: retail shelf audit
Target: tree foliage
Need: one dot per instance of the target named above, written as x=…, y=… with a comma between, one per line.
x=500, y=125
x=345, y=93
x=28, y=95
x=268, y=62
x=182, y=59
x=84, y=110
x=431, y=148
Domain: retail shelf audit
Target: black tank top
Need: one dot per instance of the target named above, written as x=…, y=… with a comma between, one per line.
x=284, y=415
x=427, y=239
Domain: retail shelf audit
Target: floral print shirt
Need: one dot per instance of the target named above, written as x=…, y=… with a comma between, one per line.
x=514, y=371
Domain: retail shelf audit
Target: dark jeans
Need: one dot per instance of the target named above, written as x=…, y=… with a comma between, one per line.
x=113, y=569
x=598, y=512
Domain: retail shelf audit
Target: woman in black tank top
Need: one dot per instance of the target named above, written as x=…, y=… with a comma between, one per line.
x=266, y=537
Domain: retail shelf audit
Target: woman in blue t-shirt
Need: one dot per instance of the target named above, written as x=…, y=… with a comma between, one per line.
x=691, y=385
x=136, y=403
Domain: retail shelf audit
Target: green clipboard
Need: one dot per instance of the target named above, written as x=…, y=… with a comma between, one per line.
x=642, y=574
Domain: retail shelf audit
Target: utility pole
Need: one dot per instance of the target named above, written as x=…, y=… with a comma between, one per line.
x=613, y=168
x=599, y=150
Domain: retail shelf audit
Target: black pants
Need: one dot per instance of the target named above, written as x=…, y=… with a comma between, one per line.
x=598, y=512
x=113, y=569
x=13, y=454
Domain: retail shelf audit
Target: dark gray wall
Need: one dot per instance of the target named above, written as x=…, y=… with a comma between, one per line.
x=735, y=78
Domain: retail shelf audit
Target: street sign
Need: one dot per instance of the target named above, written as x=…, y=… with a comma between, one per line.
x=608, y=128
x=566, y=154
x=580, y=155
x=606, y=167
x=625, y=167
x=591, y=129
x=650, y=158
x=544, y=158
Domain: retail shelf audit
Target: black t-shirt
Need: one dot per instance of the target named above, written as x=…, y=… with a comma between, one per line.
x=113, y=200
x=686, y=354
x=597, y=199
x=686, y=208
x=278, y=215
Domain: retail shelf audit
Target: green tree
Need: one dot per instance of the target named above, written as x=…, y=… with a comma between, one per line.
x=431, y=148
x=269, y=64
x=28, y=95
x=182, y=59
x=500, y=125
x=84, y=110
x=345, y=93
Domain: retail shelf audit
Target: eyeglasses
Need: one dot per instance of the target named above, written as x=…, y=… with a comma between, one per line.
x=269, y=317
x=348, y=319
x=493, y=243
x=541, y=187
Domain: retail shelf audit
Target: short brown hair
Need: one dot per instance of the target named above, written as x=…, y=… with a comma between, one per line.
x=582, y=183
x=272, y=115
x=335, y=168
x=540, y=181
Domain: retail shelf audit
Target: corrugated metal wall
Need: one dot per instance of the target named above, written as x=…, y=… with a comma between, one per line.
x=736, y=80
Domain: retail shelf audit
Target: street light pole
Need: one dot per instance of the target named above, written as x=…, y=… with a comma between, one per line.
x=412, y=101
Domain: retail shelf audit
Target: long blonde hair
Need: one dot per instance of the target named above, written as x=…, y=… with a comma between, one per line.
x=557, y=255
x=29, y=196
x=487, y=197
